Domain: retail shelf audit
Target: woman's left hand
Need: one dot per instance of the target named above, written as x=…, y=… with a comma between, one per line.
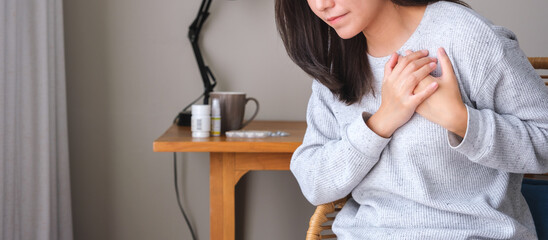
x=445, y=106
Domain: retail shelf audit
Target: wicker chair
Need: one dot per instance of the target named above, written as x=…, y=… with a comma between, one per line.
x=321, y=220
x=540, y=63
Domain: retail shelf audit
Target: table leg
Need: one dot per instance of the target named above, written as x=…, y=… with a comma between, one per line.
x=222, y=186
x=226, y=169
x=215, y=196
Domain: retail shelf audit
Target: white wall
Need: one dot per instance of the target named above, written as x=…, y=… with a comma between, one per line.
x=130, y=69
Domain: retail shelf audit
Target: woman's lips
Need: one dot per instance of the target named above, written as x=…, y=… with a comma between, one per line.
x=335, y=19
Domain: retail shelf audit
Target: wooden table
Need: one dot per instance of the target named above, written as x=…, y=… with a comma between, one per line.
x=230, y=159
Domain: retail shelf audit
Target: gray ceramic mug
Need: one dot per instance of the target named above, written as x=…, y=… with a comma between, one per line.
x=233, y=109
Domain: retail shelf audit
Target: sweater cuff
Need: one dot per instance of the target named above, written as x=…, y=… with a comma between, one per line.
x=475, y=140
x=364, y=139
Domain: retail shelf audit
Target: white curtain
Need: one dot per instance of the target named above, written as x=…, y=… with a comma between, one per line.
x=34, y=167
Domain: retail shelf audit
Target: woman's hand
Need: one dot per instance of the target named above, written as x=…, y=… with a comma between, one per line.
x=399, y=101
x=445, y=106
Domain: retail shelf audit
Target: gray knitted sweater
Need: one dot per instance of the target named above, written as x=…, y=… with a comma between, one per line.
x=425, y=182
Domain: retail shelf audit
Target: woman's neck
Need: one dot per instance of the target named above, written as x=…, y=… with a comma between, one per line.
x=392, y=28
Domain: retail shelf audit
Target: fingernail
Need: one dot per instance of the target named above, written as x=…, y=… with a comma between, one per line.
x=424, y=51
x=432, y=64
x=442, y=50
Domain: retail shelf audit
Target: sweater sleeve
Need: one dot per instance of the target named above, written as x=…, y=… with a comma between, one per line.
x=332, y=160
x=508, y=130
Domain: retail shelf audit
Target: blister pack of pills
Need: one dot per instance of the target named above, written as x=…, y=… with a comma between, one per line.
x=255, y=134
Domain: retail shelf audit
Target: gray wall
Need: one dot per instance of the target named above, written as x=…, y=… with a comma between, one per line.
x=130, y=69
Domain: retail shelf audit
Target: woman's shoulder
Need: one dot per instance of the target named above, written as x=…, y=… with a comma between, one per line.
x=451, y=12
x=469, y=34
x=474, y=43
x=464, y=24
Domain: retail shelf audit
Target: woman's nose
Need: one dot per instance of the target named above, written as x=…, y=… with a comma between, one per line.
x=324, y=4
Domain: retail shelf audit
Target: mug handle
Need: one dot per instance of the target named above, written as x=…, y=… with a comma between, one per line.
x=254, y=114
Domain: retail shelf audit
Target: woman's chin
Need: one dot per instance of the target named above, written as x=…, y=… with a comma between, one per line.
x=346, y=33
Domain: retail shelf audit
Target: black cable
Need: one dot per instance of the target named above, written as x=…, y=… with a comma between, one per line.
x=195, y=100
x=187, y=107
x=178, y=198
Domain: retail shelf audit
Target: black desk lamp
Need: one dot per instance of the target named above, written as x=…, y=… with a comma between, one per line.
x=183, y=119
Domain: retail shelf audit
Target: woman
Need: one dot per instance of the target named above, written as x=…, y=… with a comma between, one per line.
x=424, y=111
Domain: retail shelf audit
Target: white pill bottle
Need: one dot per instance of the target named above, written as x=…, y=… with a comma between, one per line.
x=200, y=121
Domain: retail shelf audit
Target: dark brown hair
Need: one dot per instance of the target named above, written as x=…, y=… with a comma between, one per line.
x=339, y=64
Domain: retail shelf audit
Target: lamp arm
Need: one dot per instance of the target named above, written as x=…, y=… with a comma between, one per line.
x=194, y=29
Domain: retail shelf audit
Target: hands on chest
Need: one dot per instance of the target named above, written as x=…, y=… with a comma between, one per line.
x=408, y=87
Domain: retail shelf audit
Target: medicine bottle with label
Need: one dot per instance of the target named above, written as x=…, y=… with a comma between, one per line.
x=200, y=121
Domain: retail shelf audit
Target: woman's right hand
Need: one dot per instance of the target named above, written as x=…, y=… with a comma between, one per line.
x=401, y=75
